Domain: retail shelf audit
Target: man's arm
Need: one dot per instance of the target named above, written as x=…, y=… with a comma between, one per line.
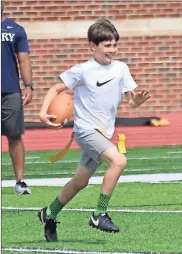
x=25, y=67
x=26, y=75
x=135, y=99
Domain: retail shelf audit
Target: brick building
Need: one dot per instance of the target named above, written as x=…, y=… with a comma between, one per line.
x=150, y=43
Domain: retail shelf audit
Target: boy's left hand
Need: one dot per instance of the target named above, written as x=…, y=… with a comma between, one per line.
x=140, y=97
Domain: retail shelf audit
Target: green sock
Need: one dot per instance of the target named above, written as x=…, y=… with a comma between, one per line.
x=102, y=204
x=54, y=208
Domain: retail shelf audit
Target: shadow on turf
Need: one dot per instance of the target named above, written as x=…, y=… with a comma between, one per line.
x=65, y=241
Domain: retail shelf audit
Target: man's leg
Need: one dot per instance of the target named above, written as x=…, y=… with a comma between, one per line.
x=12, y=123
x=17, y=154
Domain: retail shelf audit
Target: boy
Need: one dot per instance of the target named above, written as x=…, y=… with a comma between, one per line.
x=98, y=87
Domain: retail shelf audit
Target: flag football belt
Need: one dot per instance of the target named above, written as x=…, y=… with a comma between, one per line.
x=120, y=145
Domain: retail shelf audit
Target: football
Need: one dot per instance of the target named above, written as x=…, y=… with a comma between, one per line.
x=62, y=107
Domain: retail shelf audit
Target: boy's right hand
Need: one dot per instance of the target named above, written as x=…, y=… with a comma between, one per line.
x=45, y=118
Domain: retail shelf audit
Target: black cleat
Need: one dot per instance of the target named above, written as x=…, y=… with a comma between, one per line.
x=21, y=188
x=103, y=222
x=50, y=233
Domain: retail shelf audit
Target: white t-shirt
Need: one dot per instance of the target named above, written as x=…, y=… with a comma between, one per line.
x=98, y=91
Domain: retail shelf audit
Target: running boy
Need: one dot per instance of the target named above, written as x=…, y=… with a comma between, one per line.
x=98, y=85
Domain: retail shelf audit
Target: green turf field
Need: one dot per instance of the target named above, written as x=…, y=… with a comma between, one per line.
x=140, y=161
x=148, y=214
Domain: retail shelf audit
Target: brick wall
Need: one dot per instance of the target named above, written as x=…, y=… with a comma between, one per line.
x=155, y=61
x=84, y=10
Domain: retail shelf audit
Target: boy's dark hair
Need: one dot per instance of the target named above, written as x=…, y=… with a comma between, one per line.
x=102, y=30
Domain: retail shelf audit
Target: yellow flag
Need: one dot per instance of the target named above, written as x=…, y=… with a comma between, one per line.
x=62, y=153
x=121, y=143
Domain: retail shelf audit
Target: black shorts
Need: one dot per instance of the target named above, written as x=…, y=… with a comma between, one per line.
x=12, y=115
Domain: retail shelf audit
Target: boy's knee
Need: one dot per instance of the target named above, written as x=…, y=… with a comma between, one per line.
x=119, y=162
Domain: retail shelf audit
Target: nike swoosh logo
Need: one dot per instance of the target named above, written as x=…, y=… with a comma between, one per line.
x=103, y=83
x=95, y=222
x=9, y=27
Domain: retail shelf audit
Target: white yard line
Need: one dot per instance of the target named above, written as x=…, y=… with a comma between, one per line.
x=66, y=251
x=32, y=157
x=178, y=182
x=174, y=152
x=97, y=172
x=154, y=157
x=168, y=177
x=76, y=161
x=10, y=208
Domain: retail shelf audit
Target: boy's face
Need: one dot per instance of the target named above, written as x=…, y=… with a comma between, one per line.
x=104, y=51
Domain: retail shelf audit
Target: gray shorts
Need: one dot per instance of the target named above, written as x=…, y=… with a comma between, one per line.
x=93, y=144
x=12, y=116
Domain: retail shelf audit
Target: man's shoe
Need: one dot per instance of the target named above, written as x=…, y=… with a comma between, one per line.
x=50, y=233
x=103, y=222
x=21, y=188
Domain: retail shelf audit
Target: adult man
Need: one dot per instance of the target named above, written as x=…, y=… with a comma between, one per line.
x=98, y=87
x=15, y=51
